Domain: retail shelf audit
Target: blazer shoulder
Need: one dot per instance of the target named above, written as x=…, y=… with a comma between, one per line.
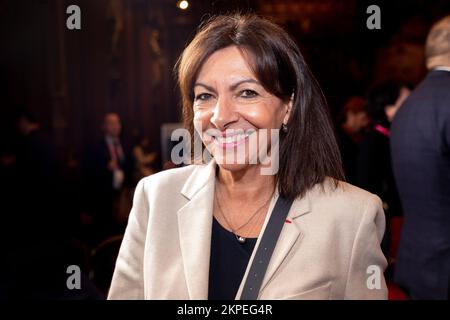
x=341, y=206
x=358, y=195
x=170, y=178
x=352, y=191
x=341, y=189
x=346, y=199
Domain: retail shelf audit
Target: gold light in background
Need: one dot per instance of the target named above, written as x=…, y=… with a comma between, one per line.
x=183, y=5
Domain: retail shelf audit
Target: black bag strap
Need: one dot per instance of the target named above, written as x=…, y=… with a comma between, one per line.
x=265, y=249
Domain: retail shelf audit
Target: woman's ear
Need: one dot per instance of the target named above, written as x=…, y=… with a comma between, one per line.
x=288, y=109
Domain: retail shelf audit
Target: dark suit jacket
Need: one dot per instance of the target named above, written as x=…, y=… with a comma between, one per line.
x=420, y=146
x=98, y=179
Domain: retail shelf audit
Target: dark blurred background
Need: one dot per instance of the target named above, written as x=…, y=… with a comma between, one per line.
x=120, y=63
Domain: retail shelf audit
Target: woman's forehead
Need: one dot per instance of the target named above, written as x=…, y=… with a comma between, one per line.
x=227, y=64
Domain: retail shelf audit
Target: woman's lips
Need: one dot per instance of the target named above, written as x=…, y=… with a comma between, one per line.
x=231, y=141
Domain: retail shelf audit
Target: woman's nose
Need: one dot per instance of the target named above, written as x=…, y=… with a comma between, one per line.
x=224, y=113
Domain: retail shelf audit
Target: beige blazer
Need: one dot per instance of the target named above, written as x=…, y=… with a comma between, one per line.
x=331, y=250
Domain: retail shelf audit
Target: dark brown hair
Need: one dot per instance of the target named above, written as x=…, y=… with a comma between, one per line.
x=308, y=150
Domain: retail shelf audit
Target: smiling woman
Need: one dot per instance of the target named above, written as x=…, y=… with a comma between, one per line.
x=267, y=76
x=230, y=108
x=204, y=231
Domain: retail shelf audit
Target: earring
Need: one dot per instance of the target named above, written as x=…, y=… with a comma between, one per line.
x=284, y=127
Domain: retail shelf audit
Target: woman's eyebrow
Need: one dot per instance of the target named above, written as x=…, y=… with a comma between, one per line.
x=237, y=84
x=205, y=86
x=232, y=87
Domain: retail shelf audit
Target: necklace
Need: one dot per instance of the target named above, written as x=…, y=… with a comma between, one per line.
x=240, y=239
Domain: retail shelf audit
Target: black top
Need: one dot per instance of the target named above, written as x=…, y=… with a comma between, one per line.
x=228, y=262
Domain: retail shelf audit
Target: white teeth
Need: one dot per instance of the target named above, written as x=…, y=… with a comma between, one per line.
x=231, y=139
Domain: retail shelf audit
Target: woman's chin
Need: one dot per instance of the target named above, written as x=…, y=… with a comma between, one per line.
x=233, y=167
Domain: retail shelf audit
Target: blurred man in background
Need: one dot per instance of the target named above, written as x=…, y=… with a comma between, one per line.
x=107, y=167
x=420, y=146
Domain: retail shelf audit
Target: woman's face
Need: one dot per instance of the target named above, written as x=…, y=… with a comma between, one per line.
x=230, y=108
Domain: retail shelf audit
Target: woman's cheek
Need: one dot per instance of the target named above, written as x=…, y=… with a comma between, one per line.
x=199, y=120
x=201, y=124
x=261, y=116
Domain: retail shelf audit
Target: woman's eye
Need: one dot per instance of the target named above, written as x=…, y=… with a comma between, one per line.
x=248, y=94
x=202, y=97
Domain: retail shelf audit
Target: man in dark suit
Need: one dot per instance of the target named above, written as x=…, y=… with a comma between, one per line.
x=107, y=169
x=420, y=146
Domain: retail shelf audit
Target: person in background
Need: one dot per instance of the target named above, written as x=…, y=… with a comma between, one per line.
x=374, y=170
x=144, y=159
x=107, y=168
x=36, y=151
x=420, y=147
x=35, y=243
x=351, y=123
x=36, y=163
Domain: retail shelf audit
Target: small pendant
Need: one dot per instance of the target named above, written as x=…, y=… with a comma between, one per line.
x=240, y=239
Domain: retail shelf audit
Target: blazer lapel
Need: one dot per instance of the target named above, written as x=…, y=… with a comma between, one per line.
x=290, y=234
x=194, y=223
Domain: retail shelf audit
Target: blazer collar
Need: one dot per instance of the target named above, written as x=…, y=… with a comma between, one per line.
x=195, y=224
x=204, y=174
x=201, y=175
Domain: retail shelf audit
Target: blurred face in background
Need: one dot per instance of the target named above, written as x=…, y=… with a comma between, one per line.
x=231, y=105
x=23, y=126
x=356, y=121
x=112, y=125
x=392, y=109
